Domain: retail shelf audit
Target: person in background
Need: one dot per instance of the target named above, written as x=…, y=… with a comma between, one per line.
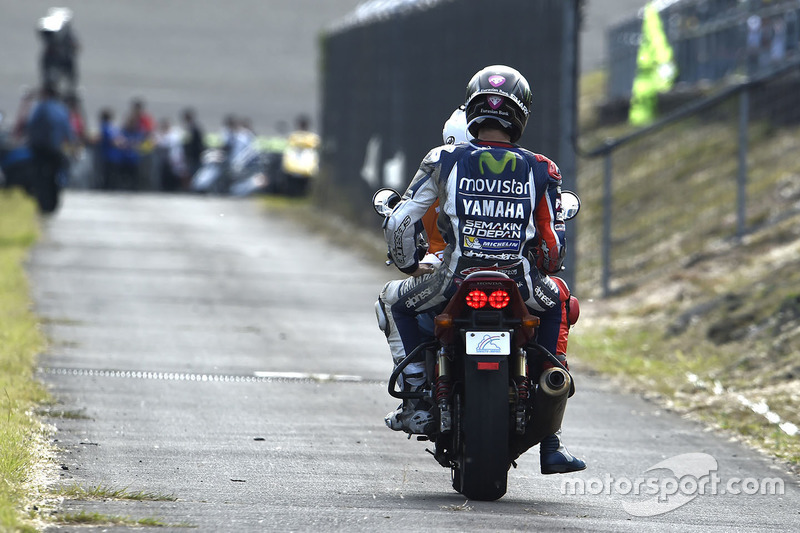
x=169, y=148
x=235, y=136
x=76, y=117
x=28, y=100
x=49, y=136
x=130, y=156
x=193, y=144
x=59, y=55
x=300, y=163
x=140, y=120
x=109, y=147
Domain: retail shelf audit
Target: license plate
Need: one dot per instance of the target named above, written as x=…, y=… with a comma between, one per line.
x=488, y=343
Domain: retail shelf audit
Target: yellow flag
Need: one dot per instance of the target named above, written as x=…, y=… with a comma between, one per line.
x=655, y=68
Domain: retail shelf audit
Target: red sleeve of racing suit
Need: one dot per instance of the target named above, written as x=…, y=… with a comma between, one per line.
x=549, y=222
x=400, y=227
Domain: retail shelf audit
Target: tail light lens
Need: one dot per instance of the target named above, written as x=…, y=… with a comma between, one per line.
x=499, y=299
x=476, y=299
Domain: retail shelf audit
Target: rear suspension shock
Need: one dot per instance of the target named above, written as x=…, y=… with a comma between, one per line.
x=444, y=389
x=523, y=389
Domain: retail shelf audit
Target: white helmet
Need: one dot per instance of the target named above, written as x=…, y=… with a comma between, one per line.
x=455, y=129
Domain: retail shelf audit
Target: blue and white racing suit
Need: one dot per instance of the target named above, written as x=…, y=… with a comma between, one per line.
x=498, y=204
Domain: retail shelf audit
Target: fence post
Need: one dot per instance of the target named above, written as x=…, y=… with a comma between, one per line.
x=607, y=205
x=741, y=181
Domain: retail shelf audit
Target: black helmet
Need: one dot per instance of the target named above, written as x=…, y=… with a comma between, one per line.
x=500, y=93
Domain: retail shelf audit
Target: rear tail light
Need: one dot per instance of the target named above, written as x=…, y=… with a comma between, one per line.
x=499, y=299
x=477, y=299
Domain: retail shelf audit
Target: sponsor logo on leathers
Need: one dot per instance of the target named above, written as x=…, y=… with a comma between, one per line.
x=490, y=244
x=400, y=257
x=496, y=167
x=414, y=300
x=494, y=208
x=512, y=271
x=494, y=186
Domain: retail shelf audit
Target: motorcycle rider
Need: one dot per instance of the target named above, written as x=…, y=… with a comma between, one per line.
x=500, y=209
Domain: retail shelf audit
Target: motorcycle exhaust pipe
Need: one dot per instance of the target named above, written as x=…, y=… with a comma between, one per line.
x=554, y=382
x=549, y=404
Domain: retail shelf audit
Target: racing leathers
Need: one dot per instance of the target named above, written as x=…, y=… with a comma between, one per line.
x=500, y=209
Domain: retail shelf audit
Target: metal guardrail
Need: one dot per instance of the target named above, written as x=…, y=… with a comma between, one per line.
x=667, y=191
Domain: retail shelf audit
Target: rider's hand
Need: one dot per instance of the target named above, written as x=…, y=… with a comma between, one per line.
x=422, y=270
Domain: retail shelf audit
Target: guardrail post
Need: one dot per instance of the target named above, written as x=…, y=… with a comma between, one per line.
x=741, y=181
x=607, y=205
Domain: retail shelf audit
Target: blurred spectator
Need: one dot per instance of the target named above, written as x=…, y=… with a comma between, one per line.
x=140, y=120
x=109, y=150
x=23, y=114
x=246, y=129
x=172, y=166
x=132, y=138
x=81, y=173
x=300, y=158
x=194, y=144
x=777, y=47
x=49, y=134
x=60, y=48
x=76, y=117
x=235, y=137
x=753, y=44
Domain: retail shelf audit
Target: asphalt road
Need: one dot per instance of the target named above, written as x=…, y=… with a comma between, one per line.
x=187, y=338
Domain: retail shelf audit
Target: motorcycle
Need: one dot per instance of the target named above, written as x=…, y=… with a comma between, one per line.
x=492, y=397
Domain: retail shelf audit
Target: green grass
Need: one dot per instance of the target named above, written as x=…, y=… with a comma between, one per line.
x=20, y=342
x=103, y=492
x=687, y=299
x=97, y=519
x=730, y=323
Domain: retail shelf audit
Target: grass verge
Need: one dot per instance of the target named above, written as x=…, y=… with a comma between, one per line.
x=20, y=342
x=97, y=519
x=718, y=342
x=103, y=492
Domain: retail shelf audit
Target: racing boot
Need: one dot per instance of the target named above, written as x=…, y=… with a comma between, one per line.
x=554, y=457
x=410, y=419
x=412, y=416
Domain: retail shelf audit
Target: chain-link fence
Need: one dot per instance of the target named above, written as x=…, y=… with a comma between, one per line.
x=393, y=74
x=664, y=195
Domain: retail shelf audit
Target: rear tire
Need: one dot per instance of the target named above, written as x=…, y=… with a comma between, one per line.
x=482, y=464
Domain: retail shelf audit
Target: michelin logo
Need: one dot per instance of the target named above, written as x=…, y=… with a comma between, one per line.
x=490, y=244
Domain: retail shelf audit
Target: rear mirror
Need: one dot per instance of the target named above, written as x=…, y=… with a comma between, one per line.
x=570, y=203
x=384, y=201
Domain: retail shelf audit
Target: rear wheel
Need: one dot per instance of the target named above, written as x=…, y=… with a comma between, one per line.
x=481, y=472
